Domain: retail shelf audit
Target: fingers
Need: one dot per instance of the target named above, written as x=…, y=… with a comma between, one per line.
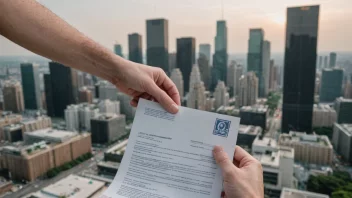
x=163, y=98
x=171, y=90
x=242, y=157
x=226, y=165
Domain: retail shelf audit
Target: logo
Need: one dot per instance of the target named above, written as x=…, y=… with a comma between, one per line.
x=221, y=127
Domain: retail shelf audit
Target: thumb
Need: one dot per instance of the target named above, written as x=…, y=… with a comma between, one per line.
x=226, y=165
x=161, y=96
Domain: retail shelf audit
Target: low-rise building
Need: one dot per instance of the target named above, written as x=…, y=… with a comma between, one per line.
x=36, y=123
x=254, y=115
x=13, y=133
x=342, y=140
x=7, y=119
x=323, y=116
x=108, y=168
x=115, y=153
x=247, y=135
x=309, y=148
x=343, y=109
x=294, y=193
x=229, y=110
x=262, y=144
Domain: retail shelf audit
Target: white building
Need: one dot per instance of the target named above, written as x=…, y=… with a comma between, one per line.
x=248, y=91
x=78, y=117
x=176, y=77
x=108, y=106
x=195, y=76
x=86, y=113
x=294, y=193
x=107, y=91
x=324, y=116
x=238, y=74
x=72, y=118
x=209, y=104
x=221, y=95
x=196, y=97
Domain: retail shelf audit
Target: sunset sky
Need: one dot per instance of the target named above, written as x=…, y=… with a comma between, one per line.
x=111, y=20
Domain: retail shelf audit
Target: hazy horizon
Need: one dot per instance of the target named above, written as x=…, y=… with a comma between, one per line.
x=101, y=21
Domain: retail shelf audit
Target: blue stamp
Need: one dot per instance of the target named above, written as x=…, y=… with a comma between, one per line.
x=222, y=127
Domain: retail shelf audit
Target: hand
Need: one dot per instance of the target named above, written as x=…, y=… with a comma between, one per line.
x=151, y=83
x=243, y=177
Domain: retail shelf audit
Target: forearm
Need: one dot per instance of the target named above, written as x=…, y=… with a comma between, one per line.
x=36, y=28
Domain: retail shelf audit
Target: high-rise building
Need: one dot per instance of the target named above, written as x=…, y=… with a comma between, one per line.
x=13, y=96
x=107, y=91
x=107, y=128
x=205, y=51
x=255, y=115
x=35, y=123
x=125, y=106
x=176, y=77
x=247, y=135
x=324, y=116
x=255, y=57
x=86, y=112
x=31, y=86
x=205, y=70
x=172, y=61
x=343, y=109
x=13, y=133
x=219, y=69
x=186, y=54
x=331, y=84
x=135, y=53
x=299, y=72
x=118, y=49
x=266, y=67
x=62, y=90
x=110, y=107
x=158, y=43
x=238, y=74
x=72, y=118
x=320, y=62
x=341, y=139
x=326, y=59
x=221, y=95
x=196, y=96
x=248, y=90
x=48, y=95
x=332, y=62
x=273, y=76
x=348, y=90
x=231, y=78
x=85, y=95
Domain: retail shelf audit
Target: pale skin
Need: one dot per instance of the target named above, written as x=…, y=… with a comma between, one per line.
x=34, y=27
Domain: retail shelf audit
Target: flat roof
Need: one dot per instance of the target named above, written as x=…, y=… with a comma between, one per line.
x=347, y=128
x=118, y=147
x=108, y=116
x=255, y=108
x=293, y=193
x=272, y=159
x=108, y=164
x=341, y=99
x=303, y=138
x=265, y=141
x=52, y=134
x=249, y=129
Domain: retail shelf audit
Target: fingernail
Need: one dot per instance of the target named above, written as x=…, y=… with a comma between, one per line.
x=217, y=149
x=174, y=108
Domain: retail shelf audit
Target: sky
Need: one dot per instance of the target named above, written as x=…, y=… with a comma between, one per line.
x=110, y=21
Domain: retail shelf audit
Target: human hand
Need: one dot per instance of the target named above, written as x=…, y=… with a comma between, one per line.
x=243, y=177
x=151, y=83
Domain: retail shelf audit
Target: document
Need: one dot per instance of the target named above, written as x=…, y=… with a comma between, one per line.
x=170, y=156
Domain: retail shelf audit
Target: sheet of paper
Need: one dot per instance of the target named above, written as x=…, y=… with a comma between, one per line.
x=170, y=156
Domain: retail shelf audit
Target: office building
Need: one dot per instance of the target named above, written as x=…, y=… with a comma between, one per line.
x=220, y=57
x=158, y=43
x=35, y=123
x=254, y=115
x=205, y=51
x=248, y=90
x=62, y=90
x=343, y=109
x=342, y=140
x=324, y=116
x=115, y=153
x=118, y=49
x=196, y=97
x=294, y=193
x=348, y=90
x=331, y=85
x=320, y=62
x=221, y=95
x=186, y=54
x=13, y=133
x=108, y=168
x=309, y=148
x=204, y=69
x=135, y=53
x=255, y=57
x=31, y=86
x=110, y=107
x=177, y=78
x=326, y=58
x=272, y=76
x=107, y=128
x=172, y=61
x=125, y=106
x=71, y=186
x=266, y=68
x=107, y=91
x=231, y=78
x=299, y=72
x=44, y=150
x=48, y=95
x=247, y=135
x=229, y=110
x=80, y=79
x=8, y=119
x=72, y=118
x=332, y=59
x=85, y=95
x=13, y=96
x=238, y=74
x=78, y=117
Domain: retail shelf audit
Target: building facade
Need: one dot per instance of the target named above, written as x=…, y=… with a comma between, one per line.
x=135, y=52
x=343, y=109
x=332, y=62
x=107, y=128
x=221, y=95
x=13, y=97
x=85, y=95
x=31, y=86
x=186, y=54
x=220, y=57
x=248, y=90
x=342, y=140
x=331, y=84
x=254, y=115
x=177, y=78
x=324, y=116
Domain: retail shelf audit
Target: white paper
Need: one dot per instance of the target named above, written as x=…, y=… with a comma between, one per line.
x=170, y=156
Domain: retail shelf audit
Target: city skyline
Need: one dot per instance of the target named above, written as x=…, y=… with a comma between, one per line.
x=101, y=22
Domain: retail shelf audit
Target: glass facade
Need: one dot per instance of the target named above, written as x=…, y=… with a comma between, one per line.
x=331, y=85
x=31, y=86
x=185, y=58
x=135, y=53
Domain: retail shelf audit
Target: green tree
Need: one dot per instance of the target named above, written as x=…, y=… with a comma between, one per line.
x=341, y=194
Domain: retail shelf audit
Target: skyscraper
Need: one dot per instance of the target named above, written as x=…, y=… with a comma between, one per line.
x=48, y=95
x=31, y=86
x=221, y=95
x=135, y=53
x=255, y=56
x=85, y=95
x=332, y=62
x=248, y=90
x=238, y=74
x=219, y=70
x=326, y=61
x=205, y=50
x=299, y=72
x=204, y=69
x=331, y=84
x=273, y=76
x=118, y=49
x=158, y=43
x=196, y=97
x=266, y=67
x=172, y=61
x=13, y=96
x=176, y=77
x=343, y=109
x=231, y=78
x=64, y=89
x=186, y=54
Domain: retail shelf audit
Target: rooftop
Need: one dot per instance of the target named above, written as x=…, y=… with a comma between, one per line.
x=323, y=107
x=293, y=193
x=303, y=138
x=249, y=129
x=265, y=141
x=272, y=159
x=109, y=164
x=13, y=127
x=255, y=109
x=71, y=186
x=341, y=99
x=118, y=148
x=50, y=134
x=108, y=116
x=347, y=128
